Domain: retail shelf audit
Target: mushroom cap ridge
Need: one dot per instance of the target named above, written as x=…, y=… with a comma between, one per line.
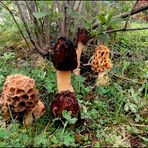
x=64, y=56
x=101, y=61
x=65, y=100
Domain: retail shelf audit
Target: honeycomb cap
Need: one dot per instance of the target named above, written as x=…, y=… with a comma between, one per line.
x=101, y=61
x=19, y=93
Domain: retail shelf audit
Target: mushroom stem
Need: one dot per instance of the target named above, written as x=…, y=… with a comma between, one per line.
x=102, y=79
x=101, y=75
x=28, y=118
x=79, y=51
x=64, y=81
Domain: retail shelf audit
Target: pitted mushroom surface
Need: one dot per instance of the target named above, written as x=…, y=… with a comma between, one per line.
x=101, y=64
x=65, y=100
x=19, y=95
x=101, y=61
x=64, y=55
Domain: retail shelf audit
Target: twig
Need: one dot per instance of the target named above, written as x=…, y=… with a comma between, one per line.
x=135, y=11
x=140, y=125
x=130, y=14
x=123, y=29
x=31, y=37
x=10, y=113
x=122, y=77
x=126, y=14
x=65, y=18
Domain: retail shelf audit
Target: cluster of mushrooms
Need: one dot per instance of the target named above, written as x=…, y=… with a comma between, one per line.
x=20, y=97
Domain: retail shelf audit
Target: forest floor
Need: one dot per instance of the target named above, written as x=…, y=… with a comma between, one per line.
x=113, y=116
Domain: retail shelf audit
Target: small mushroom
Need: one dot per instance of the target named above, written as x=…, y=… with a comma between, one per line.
x=38, y=110
x=82, y=38
x=36, y=113
x=101, y=64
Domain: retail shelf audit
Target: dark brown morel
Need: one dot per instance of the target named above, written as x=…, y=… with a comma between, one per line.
x=64, y=56
x=65, y=100
x=82, y=36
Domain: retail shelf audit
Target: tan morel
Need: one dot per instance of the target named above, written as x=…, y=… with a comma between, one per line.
x=19, y=97
x=101, y=64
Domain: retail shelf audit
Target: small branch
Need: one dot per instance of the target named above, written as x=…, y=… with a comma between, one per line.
x=126, y=14
x=135, y=11
x=130, y=14
x=128, y=79
x=32, y=39
x=46, y=29
x=139, y=125
x=65, y=18
x=123, y=29
x=4, y=6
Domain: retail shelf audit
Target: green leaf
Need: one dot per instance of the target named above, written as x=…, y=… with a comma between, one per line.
x=73, y=120
x=102, y=18
x=39, y=15
x=109, y=16
x=54, y=140
x=115, y=21
x=133, y=108
x=68, y=139
x=41, y=139
x=68, y=117
x=97, y=144
x=126, y=107
x=74, y=14
x=2, y=144
x=104, y=37
x=86, y=138
x=4, y=133
x=88, y=6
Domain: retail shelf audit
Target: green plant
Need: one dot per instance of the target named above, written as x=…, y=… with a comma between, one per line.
x=78, y=84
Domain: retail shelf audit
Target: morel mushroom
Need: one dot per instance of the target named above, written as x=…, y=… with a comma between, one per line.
x=101, y=64
x=82, y=38
x=19, y=96
x=64, y=60
x=65, y=100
